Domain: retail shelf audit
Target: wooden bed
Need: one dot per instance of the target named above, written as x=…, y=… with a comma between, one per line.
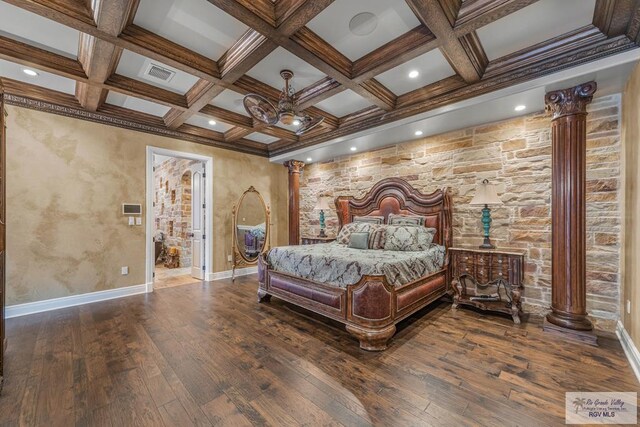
x=371, y=308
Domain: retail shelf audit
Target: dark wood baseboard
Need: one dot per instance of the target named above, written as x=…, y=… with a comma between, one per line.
x=585, y=337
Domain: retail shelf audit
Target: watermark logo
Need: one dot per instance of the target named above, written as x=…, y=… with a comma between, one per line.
x=601, y=408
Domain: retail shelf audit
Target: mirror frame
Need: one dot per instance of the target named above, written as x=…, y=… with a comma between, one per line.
x=239, y=259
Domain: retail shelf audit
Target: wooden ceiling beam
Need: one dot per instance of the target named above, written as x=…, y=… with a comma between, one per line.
x=614, y=17
x=133, y=38
x=580, y=46
x=246, y=52
x=306, y=45
x=142, y=90
x=237, y=133
x=250, y=49
x=265, y=9
x=478, y=13
x=404, y=48
x=43, y=99
x=317, y=92
x=98, y=57
x=226, y=116
x=466, y=56
x=31, y=56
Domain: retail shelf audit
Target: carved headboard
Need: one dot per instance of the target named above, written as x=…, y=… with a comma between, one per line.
x=395, y=195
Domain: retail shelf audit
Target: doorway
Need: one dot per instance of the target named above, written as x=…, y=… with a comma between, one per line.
x=178, y=217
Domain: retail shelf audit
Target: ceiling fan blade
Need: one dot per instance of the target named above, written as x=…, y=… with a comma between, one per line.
x=309, y=123
x=260, y=108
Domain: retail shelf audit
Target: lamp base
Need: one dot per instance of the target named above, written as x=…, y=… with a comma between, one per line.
x=322, y=233
x=487, y=244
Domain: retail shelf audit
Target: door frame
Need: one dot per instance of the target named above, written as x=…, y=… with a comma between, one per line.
x=149, y=215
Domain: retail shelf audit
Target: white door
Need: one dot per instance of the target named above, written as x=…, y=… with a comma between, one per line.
x=197, y=221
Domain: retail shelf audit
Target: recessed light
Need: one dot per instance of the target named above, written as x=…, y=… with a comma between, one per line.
x=418, y=133
x=29, y=72
x=413, y=74
x=296, y=122
x=212, y=122
x=363, y=24
x=309, y=159
x=353, y=148
x=520, y=107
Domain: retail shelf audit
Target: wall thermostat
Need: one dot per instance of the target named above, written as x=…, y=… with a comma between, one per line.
x=131, y=209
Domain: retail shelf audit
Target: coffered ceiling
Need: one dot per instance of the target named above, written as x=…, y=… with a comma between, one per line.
x=181, y=67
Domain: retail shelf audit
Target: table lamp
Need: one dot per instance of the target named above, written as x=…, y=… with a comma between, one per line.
x=486, y=195
x=323, y=203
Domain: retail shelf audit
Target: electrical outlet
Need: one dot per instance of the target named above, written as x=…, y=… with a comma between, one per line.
x=628, y=307
x=132, y=221
x=124, y=270
x=229, y=258
x=138, y=221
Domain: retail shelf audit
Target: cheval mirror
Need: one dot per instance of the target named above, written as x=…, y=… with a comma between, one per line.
x=250, y=229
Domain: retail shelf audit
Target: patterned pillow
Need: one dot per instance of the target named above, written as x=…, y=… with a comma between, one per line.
x=369, y=219
x=376, y=236
x=395, y=219
x=352, y=227
x=359, y=240
x=408, y=238
x=425, y=237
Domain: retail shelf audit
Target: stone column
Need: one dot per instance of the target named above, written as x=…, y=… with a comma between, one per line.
x=568, y=212
x=295, y=167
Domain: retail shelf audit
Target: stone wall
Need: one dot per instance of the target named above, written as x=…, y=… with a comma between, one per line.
x=516, y=156
x=172, y=199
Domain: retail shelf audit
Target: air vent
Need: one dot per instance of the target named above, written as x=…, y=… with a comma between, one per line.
x=159, y=73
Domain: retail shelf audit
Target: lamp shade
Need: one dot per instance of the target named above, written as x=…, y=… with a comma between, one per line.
x=323, y=203
x=485, y=195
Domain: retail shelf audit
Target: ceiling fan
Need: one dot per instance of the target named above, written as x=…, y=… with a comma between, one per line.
x=287, y=112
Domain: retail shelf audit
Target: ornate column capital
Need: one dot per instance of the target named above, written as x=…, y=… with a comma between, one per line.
x=565, y=102
x=294, y=166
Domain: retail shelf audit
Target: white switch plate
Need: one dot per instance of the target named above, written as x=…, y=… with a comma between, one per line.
x=628, y=307
x=132, y=221
x=124, y=270
x=138, y=221
x=229, y=258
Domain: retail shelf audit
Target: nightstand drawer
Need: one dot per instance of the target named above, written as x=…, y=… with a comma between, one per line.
x=464, y=268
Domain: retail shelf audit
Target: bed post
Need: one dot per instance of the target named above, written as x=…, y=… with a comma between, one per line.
x=263, y=296
x=371, y=323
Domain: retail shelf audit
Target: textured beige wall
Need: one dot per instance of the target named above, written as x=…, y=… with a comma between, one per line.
x=631, y=142
x=66, y=181
x=516, y=156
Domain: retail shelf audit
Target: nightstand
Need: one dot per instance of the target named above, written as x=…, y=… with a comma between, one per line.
x=489, y=280
x=312, y=240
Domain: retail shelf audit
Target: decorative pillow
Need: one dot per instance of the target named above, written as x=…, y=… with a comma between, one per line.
x=369, y=219
x=377, y=236
x=425, y=237
x=347, y=229
x=408, y=238
x=395, y=219
x=359, y=240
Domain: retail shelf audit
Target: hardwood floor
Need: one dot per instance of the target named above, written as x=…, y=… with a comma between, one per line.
x=208, y=354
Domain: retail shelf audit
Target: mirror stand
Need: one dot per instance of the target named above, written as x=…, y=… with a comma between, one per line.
x=251, y=230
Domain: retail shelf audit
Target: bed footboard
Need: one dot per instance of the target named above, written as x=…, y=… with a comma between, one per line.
x=369, y=309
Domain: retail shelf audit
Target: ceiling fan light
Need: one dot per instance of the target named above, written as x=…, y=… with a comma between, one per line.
x=287, y=118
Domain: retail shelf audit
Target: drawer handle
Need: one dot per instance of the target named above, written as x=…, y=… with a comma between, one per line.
x=499, y=261
x=466, y=258
x=467, y=269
